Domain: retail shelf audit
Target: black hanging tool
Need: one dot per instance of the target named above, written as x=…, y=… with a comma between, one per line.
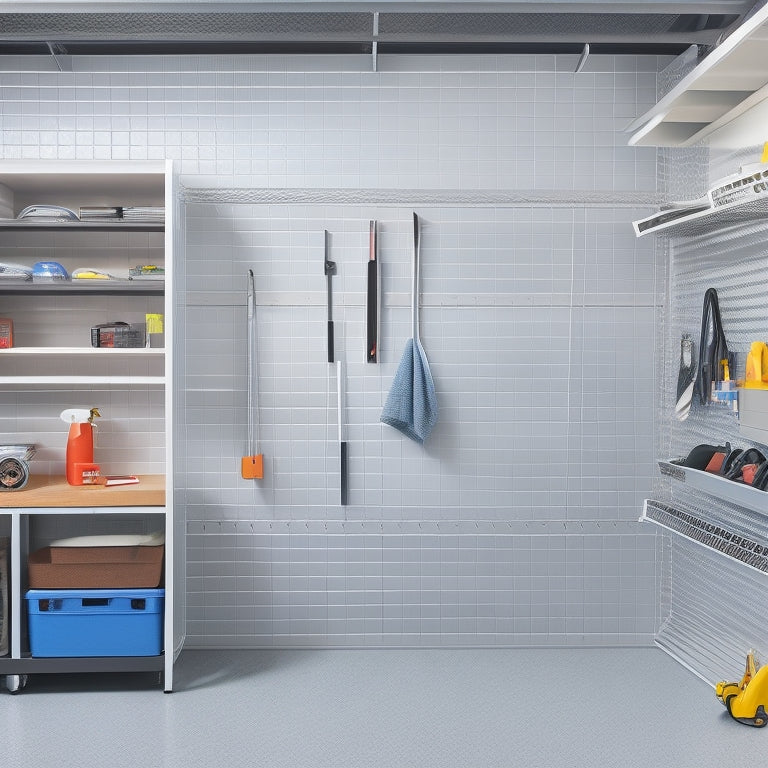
x=713, y=349
x=343, y=481
x=329, y=267
x=372, y=314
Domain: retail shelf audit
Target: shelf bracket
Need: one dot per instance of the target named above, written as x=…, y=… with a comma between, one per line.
x=582, y=59
x=60, y=56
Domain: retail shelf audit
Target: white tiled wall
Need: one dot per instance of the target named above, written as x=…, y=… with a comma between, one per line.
x=515, y=524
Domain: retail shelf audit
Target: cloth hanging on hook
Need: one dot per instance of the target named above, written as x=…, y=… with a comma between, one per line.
x=411, y=405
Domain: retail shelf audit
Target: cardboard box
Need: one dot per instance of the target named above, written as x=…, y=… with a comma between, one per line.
x=95, y=567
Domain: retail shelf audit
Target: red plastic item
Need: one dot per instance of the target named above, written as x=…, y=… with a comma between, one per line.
x=80, y=467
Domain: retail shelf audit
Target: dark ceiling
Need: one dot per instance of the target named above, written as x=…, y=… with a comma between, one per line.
x=360, y=32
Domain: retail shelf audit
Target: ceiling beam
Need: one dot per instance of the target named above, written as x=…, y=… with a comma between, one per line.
x=383, y=6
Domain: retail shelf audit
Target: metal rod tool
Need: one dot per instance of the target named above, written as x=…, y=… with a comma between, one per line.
x=252, y=466
x=329, y=268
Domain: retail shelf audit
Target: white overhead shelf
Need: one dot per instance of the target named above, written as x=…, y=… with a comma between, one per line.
x=99, y=351
x=725, y=84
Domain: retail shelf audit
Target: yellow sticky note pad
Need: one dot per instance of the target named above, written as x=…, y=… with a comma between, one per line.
x=154, y=323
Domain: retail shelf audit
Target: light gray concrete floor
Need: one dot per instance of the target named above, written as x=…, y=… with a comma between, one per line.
x=549, y=708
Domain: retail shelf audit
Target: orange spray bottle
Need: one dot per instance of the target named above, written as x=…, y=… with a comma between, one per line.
x=79, y=462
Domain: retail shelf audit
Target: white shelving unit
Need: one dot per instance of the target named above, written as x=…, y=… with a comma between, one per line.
x=751, y=207
x=52, y=362
x=730, y=80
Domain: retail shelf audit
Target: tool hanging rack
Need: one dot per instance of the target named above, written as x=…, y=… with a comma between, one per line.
x=749, y=551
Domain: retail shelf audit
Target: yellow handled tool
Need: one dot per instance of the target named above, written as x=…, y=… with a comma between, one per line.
x=756, y=375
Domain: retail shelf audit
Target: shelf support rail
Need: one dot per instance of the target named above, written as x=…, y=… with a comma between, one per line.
x=714, y=537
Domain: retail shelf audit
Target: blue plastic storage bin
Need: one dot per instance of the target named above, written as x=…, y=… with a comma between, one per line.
x=95, y=622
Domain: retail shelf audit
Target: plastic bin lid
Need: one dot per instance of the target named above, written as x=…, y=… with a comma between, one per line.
x=154, y=539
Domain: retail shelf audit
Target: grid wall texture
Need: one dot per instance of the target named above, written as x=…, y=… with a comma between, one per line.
x=710, y=622
x=539, y=320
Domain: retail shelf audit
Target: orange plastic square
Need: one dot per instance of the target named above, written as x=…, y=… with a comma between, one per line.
x=252, y=467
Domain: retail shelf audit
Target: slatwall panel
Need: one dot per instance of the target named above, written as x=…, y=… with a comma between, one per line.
x=539, y=320
x=522, y=437
x=715, y=612
x=420, y=584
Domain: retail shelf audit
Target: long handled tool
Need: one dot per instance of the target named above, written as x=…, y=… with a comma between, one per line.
x=329, y=268
x=252, y=467
x=411, y=405
x=373, y=305
x=342, y=442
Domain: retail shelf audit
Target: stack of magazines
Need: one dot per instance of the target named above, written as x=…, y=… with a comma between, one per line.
x=122, y=213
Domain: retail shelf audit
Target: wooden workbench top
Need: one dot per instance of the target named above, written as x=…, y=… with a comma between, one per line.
x=44, y=491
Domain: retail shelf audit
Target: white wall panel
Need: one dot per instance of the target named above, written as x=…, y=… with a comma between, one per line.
x=539, y=321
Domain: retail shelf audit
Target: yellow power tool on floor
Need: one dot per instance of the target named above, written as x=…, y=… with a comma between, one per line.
x=746, y=701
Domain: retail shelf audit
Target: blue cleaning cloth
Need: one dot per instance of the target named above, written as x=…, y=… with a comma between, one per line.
x=411, y=405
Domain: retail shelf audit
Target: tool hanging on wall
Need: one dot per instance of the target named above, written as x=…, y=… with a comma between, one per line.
x=411, y=405
x=342, y=442
x=686, y=379
x=373, y=304
x=714, y=384
x=252, y=466
x=756, y=374
x=329, y=268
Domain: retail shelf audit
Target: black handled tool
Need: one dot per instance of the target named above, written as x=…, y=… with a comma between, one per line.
x=329, y=268
x=372, y=313
x=343, y=477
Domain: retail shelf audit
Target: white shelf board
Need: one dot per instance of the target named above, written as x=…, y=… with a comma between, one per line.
x=22, y=511
x=128, y=176
x=83, y=381
x=730, y=80
x=49, y=351
x=712, y=219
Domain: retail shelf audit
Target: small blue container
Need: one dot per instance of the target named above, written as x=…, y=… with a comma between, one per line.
x=95, y=622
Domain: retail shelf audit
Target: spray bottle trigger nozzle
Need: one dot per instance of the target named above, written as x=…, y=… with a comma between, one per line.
x=79, y=415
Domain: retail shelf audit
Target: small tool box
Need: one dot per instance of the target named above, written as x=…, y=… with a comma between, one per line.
x=95, y=622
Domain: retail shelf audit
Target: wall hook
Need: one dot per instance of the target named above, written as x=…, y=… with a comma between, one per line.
x=583, y=58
